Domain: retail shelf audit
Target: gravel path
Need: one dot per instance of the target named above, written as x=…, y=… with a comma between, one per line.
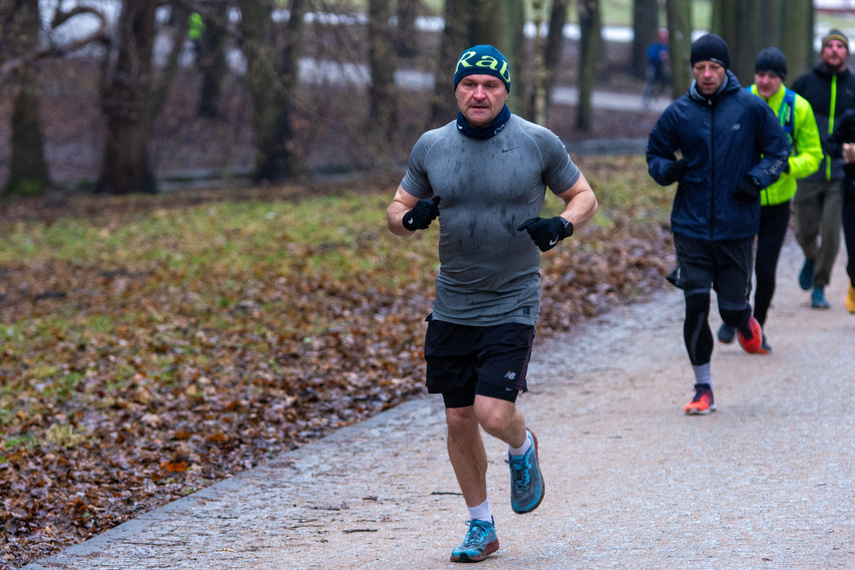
x=767, y=482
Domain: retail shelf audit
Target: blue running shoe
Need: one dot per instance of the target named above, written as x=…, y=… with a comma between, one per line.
x=817, y=298
x=527, y=486
x=480, y=542
x=806, y=275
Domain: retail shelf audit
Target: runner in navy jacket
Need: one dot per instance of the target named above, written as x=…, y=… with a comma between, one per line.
x=711, y=134
x=732, y=146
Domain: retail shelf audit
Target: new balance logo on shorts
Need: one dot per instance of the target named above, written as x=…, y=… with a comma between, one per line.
x=510, y=374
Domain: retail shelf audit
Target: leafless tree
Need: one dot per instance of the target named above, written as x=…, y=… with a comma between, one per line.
x=679, y=44
x=272, y=54
x=589, y=46
x=645, y=25
x=382, y=92
x=751, y=25
x=21, y=51
x=132, y=95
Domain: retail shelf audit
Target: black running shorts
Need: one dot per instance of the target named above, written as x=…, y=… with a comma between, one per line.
x=726, y=266
x=463, y=361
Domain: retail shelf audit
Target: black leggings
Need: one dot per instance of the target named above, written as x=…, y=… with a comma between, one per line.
x=849, y=230
x=770, y=239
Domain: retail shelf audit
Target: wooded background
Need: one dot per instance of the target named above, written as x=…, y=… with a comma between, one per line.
x=140, y=48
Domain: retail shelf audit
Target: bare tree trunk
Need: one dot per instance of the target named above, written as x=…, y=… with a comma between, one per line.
x=532, y=103
x=680, y=44
x=798, y=46
x=211, y=54
x=126, y=103
x=731, y=20
x=272, y=80
x=405, y=38
x=589, y=46
x=28, y=171
x=132, y=99
x=454, y=40
x=552, y=51
x=546, y=58
x=645, y=25
x=787, y=24
x=382, y=93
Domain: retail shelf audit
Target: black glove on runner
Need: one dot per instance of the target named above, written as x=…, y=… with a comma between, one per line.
x=748, y=189
x=420, y=217
x=546, y=232
x=677, y=170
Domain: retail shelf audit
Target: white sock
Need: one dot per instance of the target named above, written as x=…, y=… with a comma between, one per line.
x=481, y=512
x=703, y=374
x=525, y=446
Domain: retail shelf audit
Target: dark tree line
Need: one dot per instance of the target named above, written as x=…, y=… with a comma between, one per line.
x=272, y=37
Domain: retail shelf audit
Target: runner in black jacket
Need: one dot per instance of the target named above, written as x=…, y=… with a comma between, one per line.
x=830, y=90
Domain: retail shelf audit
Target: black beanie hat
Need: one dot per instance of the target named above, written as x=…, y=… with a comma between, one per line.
x=773, y=60
x=710, y=47
x=835, y=34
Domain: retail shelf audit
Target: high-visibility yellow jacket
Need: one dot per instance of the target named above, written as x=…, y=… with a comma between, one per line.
x=806, y=152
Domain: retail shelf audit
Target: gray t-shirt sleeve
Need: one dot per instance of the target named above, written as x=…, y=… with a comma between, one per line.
x=417, y=180
x=560, y=172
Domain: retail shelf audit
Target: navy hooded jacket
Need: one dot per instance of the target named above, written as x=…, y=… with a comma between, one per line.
x=722, y=138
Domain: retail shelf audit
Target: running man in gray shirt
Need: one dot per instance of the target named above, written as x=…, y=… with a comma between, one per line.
x=485, y=177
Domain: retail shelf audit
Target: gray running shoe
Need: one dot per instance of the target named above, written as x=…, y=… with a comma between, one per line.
x=527, y=487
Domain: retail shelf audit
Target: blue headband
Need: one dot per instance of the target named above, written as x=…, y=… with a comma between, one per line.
x=483, y=59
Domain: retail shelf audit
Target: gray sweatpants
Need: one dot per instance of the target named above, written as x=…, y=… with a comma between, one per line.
x=817, y=208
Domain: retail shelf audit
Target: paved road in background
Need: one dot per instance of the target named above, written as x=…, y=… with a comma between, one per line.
x=767, y=482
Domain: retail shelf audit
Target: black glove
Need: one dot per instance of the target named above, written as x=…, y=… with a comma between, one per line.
x=546, y=232
x=748, y=189
x=420, y=217
x=677, y=170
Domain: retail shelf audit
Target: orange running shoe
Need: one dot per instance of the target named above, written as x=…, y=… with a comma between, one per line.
x=751, y=344
x=850, y=299
x=702, y=403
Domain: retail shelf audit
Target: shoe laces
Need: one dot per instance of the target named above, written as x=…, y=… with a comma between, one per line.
x=700, y=393
x=477, y=533
x=520, y=467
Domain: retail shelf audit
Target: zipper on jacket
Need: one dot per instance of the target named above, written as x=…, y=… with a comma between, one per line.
x=712, y=163
x=830, y=124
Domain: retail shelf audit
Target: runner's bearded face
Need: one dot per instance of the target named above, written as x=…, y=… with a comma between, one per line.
x=834, y=55
x=480, y=97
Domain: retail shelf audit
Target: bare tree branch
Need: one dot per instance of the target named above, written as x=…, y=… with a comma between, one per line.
x=52, y=50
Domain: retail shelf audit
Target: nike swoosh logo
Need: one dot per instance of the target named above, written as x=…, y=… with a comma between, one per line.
x=508, y=149
x=553, y=241
x=410, y=221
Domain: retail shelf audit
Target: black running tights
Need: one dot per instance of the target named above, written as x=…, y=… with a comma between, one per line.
x=770, y=239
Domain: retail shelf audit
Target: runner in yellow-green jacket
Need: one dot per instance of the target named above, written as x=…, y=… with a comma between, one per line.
x=798, y=121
